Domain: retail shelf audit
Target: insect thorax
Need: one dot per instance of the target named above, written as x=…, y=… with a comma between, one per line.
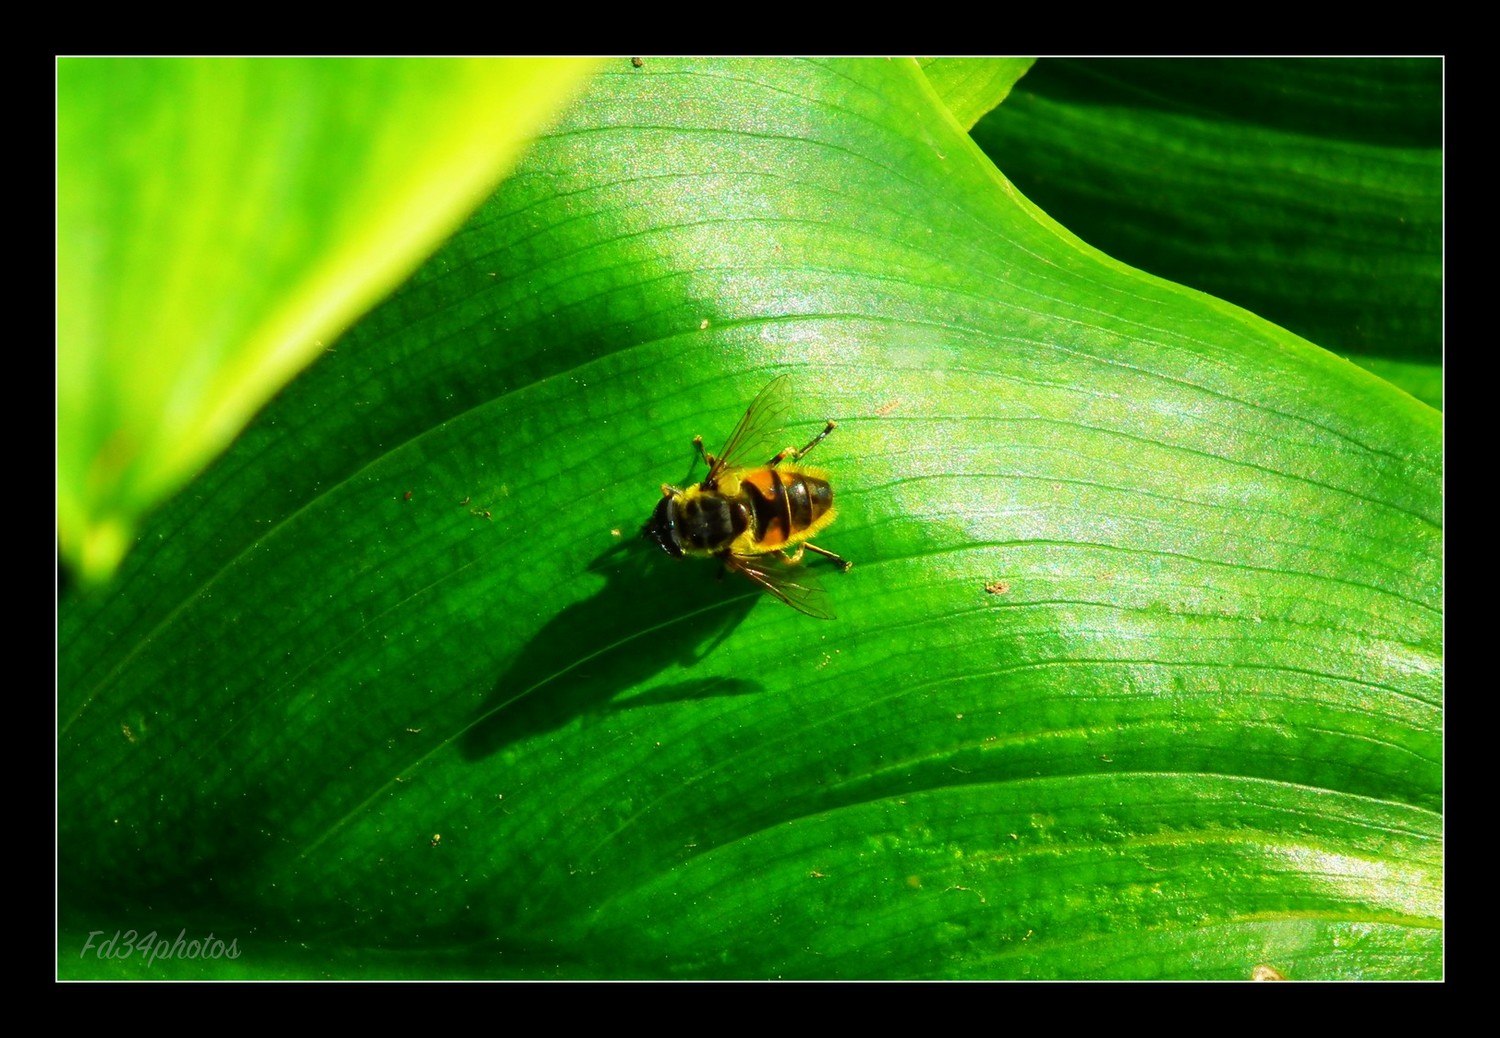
x=708, y=521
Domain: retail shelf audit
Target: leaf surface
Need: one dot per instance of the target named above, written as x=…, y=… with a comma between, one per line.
x=1137, y=672
x=221, y=221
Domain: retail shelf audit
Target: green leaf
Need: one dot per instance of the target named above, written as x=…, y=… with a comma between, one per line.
x=970, y=87
x=1138, y=672
x=219, y=222
x=1308, y=191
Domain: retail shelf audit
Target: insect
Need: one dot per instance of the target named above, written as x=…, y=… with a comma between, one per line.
x=757, y=520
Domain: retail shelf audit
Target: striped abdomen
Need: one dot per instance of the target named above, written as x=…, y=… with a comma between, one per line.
x=787, y=506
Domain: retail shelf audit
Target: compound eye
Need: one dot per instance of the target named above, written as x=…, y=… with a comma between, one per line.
x=662, y=528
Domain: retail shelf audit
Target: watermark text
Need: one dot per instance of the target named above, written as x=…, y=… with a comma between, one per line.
x=151, y=946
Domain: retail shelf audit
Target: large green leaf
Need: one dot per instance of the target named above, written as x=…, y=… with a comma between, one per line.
x=1137, y=674
x=220, y=221
x=1308, y=191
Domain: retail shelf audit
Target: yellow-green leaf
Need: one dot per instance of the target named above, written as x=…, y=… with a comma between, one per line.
x=220, y=222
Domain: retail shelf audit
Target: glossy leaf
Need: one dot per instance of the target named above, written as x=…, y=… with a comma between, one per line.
x=221, y=221
x=1137, y=673
x=1308, y=191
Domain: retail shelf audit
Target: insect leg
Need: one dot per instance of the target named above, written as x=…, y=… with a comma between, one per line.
x=708, y=459
x=844, y=564
x=794, y=454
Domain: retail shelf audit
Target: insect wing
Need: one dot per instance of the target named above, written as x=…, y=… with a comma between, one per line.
x=751, y=443
x=794, y=585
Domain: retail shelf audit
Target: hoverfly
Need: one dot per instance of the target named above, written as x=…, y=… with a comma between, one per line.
x=756, y=520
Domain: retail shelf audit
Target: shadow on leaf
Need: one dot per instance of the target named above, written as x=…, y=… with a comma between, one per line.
x=651, y=613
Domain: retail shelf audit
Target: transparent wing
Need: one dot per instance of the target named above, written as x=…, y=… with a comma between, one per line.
x=752, y=443
x=795, y=585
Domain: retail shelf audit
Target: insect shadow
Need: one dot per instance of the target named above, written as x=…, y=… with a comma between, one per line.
x=652, y=613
